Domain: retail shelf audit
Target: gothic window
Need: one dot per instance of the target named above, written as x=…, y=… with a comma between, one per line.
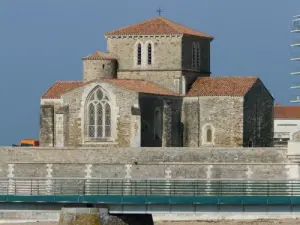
x=149, y=54
x=99, y=115
x=157, y=124
x=194, y=55
x=198, y=55
x=139, y=54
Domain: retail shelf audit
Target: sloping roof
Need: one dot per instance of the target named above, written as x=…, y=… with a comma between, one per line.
x=61, y=87
x=221, y=86
x=157, y=26
x=99, y=56
x=286, y=112
x=141, y=86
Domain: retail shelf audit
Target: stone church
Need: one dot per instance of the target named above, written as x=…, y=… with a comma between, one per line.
x=153, y=87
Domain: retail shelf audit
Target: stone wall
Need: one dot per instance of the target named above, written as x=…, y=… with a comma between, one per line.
x=122, y=101
x=201, y=163
x=258, y=117
x=166, y=52
x=187, y=46
x=170, y=80
x=47, y=125
x=97, y=69
x=224, y=115
x=170, y=123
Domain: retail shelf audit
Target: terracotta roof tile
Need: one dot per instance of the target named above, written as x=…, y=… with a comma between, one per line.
x=157, y=26
x=286, y=112
x=99, y=56
x=222, y=86
x=60, y=87
x=141, y=86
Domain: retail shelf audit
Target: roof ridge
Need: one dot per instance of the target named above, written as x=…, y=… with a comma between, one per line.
x=172, y=23
x=227, y=77
x=121, y=28
x=68, y=81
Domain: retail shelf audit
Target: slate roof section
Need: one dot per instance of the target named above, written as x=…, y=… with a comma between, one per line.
x=158, y=26
x=141, y=86
x=222, y=86
x=286, y=112
x=99, y=56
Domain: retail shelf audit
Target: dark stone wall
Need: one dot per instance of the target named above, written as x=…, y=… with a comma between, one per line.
x=187, y=46
x=258, y=117
x=47, y=125
x=148, y=104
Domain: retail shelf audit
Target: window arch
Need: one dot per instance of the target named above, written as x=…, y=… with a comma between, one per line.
x=98, y=115
x=139, y=54
x=157, y=124
x=208, y=134
x=149, y=54
x=194, y=55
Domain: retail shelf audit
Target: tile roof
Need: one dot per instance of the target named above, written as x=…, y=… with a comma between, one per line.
x=286, y=112
x=99, y=56
x=141, y=86
x=157, y=26
x=61, y=87
x=221, y=86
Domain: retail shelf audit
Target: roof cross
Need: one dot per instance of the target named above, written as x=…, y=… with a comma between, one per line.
x=159, y=11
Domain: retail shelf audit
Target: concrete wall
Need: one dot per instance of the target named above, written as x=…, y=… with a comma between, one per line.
x=224, y=115
x=201, y=163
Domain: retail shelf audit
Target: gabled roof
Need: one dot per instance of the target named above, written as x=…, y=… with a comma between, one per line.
x=141, y=86
x=99, y=56
x=61, y=87
x=286, y=112
x=221, y=86
x=157, y=26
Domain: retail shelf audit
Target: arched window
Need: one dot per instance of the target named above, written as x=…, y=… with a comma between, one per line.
x=99, y=115
x=149, y=54
x=157, y=124
x=194, y=55
x=209, y=135
x=139, y=54
x=198, y=55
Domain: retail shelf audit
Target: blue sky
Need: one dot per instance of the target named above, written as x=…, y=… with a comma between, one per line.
x=42, y=41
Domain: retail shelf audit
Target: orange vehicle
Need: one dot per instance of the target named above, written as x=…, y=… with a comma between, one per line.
x=28, y=143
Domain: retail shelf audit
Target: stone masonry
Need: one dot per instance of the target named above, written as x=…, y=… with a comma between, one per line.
x=153, y=89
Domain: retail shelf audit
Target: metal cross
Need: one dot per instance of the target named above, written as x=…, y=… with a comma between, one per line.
x=159, y=11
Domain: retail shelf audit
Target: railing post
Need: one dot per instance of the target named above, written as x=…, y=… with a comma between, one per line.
x=106, y=186
x=15, y=187
x=84, y=182
x=54, y=191
x=38, y=187
x=30, y=186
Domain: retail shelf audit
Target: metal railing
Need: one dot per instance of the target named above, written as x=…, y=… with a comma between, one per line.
x=138, y=187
